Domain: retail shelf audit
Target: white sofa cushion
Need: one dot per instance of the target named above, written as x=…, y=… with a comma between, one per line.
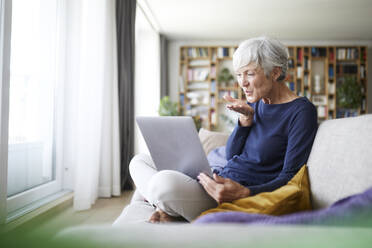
x=211, y=140
x=340, y=162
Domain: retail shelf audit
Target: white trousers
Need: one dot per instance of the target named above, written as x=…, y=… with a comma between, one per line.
x=171, y=191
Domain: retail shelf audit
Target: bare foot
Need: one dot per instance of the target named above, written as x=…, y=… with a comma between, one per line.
x=160, y=216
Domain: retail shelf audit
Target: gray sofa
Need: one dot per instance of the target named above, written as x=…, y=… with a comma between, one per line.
x=340, y=165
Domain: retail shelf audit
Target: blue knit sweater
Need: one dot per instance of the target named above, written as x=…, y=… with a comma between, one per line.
x=266, y=155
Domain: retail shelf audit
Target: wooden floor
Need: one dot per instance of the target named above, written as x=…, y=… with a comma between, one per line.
x=103, y=212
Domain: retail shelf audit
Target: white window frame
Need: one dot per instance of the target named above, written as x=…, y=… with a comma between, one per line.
x=5, y=26
x=10, y=205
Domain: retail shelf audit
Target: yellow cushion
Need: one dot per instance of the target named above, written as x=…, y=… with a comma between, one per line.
x=292, y=197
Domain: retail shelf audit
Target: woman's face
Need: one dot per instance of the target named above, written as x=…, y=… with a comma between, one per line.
x=254, y=83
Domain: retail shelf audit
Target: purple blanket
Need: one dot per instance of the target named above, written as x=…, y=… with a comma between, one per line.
x=355, y=210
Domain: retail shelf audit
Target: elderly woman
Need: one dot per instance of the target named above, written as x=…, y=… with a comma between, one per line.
x=270, y=143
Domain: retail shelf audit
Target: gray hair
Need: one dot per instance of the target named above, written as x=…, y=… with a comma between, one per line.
x=265, y=52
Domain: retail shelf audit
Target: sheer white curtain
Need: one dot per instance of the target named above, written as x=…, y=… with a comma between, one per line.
x=91, y=125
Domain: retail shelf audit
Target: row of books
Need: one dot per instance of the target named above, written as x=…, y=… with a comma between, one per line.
x=318, y=52
x=225, y=52
x=195, y=52
x=347, y=53
x=341, y=113
x=348, y=69
x=198, y=74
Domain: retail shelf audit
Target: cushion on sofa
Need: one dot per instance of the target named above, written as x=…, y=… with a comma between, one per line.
x=354, y=211
x=211, y=140
x=290, y=198
x=340, y=161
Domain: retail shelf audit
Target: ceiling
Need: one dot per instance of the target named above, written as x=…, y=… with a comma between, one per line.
x=240, y=19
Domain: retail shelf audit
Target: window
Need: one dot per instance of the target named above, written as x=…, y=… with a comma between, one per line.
x=147, y=52
x=32, y=171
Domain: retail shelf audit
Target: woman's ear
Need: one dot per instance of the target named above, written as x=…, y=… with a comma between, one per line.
x=276, y=73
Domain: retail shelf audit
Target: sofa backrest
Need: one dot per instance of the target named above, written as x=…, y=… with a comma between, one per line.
x=340, y=162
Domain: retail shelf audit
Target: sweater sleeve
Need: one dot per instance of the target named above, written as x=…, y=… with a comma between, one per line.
x=301, y=136
x=236, y=141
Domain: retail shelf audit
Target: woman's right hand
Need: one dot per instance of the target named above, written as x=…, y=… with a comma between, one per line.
x=246, y=112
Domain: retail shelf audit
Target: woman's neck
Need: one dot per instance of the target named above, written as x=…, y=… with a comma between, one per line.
x=280, y=93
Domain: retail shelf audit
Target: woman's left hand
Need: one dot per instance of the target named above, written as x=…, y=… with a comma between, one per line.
x=223, y=189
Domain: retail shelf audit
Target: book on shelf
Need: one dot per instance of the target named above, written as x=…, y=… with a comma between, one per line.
x=213, y=86
x=362, y=72
x=214, y=57
x=182, y=100
x=199, y=63
x=331, y=105
x=232, y=51
x=299, y=71
x=363, y=89
x=347, y=53
x=346, y=69
x=299, y=55
x=198, y=86
x=331, y=88
x=363, y=107
x=213, y=117
x=319, y=100
x=318, y=52
x=181, y=84
x=306, y=63
x=198, y=74
x=223, y=52
x=213, y=102
x=306, y=80
x=322, y=111
x=331, y=56
x=291, y=85
x=341, y=113
x=363, y=55
x=330, y=72
x=291, y=51
x=291, y=63
x=213, y=72
x=195, y=52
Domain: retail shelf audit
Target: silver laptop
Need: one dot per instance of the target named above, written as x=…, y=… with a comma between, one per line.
x=174, y=144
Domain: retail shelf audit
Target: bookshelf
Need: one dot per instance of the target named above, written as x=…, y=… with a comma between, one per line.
x=313, y=71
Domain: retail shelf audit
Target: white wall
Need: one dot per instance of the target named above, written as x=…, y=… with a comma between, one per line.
x=174, y=49
x=147, y=75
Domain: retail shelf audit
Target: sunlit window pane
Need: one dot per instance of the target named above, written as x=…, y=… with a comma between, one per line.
x=32, y=94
